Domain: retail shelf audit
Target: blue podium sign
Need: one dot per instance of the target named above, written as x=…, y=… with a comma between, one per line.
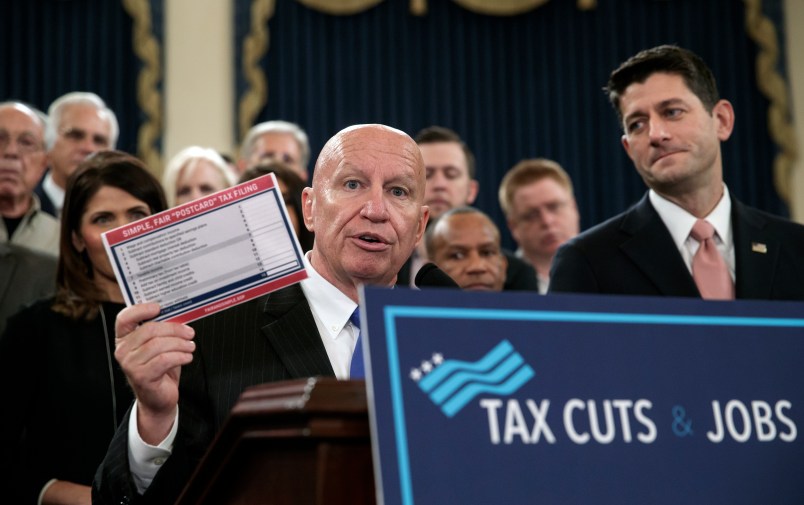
x=515, y=398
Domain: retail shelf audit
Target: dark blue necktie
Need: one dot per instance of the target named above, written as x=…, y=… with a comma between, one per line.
x=356, y=370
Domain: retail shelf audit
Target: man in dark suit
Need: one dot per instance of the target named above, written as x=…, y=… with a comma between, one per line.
x=79, y=124
x=450, y=168
x=366, y=209
x=674, y=122
x=465, y=243
x=25, y=276
x=541, y=212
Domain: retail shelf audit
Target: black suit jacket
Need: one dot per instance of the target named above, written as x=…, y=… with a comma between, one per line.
x=268, y=339
x=519, y=275
x=25, y=276
x=634, y=254
x=45, y=203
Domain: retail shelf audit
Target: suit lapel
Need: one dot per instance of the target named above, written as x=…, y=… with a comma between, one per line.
x=7, y=271
x=756, y=253
x=292, y=332
x=652, y=250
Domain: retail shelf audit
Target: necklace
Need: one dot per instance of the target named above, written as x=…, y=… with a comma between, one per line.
x=111, y=370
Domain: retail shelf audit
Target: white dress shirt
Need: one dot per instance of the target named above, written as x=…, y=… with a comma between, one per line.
x=679, y=223
x=331, y=310
x=55, y=193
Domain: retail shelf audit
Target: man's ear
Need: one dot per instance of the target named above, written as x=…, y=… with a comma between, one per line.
x=422, y=226
x=307, y=208
x=514, y=229
x=625, y=144
x=474, y=187
x=723, y=114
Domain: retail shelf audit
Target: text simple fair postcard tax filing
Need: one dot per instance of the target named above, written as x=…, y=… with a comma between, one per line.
x=209, y=254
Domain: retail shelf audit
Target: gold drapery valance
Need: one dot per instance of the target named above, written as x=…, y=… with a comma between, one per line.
x=149, y=98
x=419, y=7
x=759, y=28
x=771, y=84
x=255, y=45
x=340, y=7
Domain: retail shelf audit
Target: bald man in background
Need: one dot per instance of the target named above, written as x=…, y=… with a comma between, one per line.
x=465, y=243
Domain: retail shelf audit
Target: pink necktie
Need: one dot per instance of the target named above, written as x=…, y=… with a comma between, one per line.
x=708, y=268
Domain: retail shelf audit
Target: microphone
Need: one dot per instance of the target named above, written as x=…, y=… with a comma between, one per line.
x=430, y=276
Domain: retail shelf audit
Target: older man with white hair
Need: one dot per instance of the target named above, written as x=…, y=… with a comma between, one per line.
x=80, y=124
x=277, y=140
x=22, y=163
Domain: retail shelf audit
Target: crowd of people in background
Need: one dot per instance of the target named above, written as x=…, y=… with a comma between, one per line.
x=378, y=205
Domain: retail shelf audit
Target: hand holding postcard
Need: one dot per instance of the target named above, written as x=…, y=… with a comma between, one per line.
x=209, y=254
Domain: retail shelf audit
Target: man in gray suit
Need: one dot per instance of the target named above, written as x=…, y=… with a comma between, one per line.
x=366, y=209
x=673, y=122
x=25, y=276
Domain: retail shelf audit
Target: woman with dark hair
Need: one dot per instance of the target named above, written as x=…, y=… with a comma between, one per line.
x=291, y=187
x=64, y=392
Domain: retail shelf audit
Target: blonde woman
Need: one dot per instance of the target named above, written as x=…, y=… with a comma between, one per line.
x=195, y=172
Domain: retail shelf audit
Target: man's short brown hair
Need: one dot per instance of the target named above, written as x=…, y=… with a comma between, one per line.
x=666, y=59
x=527, y=172
x=435, y=134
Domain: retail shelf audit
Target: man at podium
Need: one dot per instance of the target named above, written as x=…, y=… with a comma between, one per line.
x=366, y=209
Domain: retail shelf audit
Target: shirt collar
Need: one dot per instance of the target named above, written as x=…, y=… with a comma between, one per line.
x=327, y=302
x=55, y=193
x=679, y=222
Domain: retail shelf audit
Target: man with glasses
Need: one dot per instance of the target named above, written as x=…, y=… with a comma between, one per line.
x=22, y=163
x=279, y=141
x=536, y=196
x=80, y=124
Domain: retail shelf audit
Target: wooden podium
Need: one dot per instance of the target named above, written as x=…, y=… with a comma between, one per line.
x=296, y=442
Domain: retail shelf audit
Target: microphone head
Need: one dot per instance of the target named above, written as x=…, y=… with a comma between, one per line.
x=430, y=276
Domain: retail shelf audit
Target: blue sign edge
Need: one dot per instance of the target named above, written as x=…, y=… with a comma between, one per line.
x=393, y=312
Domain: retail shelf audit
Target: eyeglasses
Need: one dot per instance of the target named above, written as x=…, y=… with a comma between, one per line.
x=26, y=143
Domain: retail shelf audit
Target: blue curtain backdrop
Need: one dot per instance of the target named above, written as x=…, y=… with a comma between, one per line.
x=513, y=87
x=51, y=47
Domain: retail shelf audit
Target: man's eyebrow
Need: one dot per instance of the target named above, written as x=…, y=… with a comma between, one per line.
x=456, y=247
x=661, y=105
x=670, y=101
x=402, y=178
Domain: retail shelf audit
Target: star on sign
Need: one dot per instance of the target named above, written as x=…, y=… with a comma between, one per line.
x=426, y=366
x=438, y=358
x=415, y=374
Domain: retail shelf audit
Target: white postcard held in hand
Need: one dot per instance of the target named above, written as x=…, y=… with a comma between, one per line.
x=209, y=254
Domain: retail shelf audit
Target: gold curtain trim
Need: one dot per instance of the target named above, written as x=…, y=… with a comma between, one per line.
x=419, y=7
x=255, y=45
x=149, y=98
x=500, y=7
x=762, y=31
x=340, y=7
x=513, y=7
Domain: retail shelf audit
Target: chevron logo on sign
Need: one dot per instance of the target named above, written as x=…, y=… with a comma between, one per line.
x=452, y=384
